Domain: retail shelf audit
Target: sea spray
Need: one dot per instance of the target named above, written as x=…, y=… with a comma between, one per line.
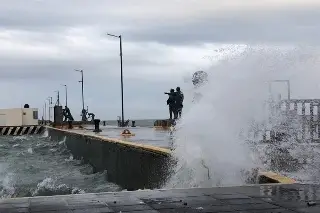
x=208, y=145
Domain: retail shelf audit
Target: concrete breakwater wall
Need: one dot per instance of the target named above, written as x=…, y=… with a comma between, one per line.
x=132, y=166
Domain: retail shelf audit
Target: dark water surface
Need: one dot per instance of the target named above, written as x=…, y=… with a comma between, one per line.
x=36, y=166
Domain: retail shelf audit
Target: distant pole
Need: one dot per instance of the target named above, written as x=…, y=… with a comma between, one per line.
x=58, y=98
x=121, y=70
x=81, y=87
x=45, y=111
x=289, y=90
x=66, y=87
x=49, y=111
x=49, y=106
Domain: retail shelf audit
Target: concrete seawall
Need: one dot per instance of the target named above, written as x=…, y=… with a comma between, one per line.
x=132, y=166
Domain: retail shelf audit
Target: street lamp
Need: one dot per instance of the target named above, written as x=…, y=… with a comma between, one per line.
x=66, y=87
x=121, y=75
x=49, y=106
x=81, y=87
x=45, y=111
x=84, y=118
x=285, y=81
x=58, y=98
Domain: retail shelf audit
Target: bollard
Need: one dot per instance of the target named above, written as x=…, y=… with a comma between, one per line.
x=133, y=123
x=104, y=123
x=96, y=125
x=70, y=125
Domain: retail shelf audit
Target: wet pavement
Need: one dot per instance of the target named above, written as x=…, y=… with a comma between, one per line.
x=243, y=199
x=143, y=135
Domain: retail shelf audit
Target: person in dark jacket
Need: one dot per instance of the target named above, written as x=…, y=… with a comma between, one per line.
x=179, y=97
x=171, y=102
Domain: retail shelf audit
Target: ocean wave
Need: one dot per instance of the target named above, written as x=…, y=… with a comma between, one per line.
x=49, y=187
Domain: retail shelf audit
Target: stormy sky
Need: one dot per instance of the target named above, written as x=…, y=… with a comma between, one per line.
x=42, y=42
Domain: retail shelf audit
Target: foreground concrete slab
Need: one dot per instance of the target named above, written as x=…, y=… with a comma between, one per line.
x=274, y=198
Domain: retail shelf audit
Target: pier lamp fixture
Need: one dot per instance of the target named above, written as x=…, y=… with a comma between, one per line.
x=83, y=113
x=49, y=106
x=45, y=111
x=121, y=70
x=58, y=98
x=284, y=81
x=66, y=89
x=81, y=71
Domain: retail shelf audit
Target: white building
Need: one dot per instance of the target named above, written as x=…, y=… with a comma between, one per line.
x=19, y=117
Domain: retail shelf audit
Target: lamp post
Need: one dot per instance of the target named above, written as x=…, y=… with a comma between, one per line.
x=81, y=71
x=66, y=87
x=120, y=38
x=84, y=117
x=45, y=111
x=58, y=98
x=49, y=106
x=43, y=114
x=285, y=81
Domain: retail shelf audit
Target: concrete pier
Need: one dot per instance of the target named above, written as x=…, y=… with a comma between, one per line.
x=276, y=198
x=131, y=165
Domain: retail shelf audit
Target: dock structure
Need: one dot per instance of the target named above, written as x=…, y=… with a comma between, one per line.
x=274, y=198
x=131, y=165
x=20, y=121
x=136, y=166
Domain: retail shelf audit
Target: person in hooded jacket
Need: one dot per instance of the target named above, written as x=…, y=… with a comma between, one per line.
x=179, y=97
x=171, y=102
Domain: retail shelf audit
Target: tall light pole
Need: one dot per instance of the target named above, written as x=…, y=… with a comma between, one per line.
x=45, y=111
x=81, y=87
x=66, y=87
x=285, y=81
x=58, y=98
x=84, y=116
x=120, y=38
x=49, y=106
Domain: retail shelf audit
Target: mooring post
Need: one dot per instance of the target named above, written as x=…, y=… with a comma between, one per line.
x=96, y=125
x=104, y=123
x=133, y=123
x=70, y=124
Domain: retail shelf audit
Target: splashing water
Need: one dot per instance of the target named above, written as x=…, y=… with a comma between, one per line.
x=38, y=166
x=49, y=187
x=211, y=139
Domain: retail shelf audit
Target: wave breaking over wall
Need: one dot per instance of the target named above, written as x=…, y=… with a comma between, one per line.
x=211, y=139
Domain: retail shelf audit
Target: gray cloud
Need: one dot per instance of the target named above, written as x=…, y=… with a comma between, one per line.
x=279, y=26
x=42, y=42
x=264, y=24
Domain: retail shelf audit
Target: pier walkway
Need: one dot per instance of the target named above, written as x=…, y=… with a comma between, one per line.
x=143, y=135
x=275, y=198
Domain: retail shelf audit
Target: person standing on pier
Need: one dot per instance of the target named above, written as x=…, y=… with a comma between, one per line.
x=179, y=97
x=171, y=102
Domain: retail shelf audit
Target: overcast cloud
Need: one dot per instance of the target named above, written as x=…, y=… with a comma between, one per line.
x=42, y=42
